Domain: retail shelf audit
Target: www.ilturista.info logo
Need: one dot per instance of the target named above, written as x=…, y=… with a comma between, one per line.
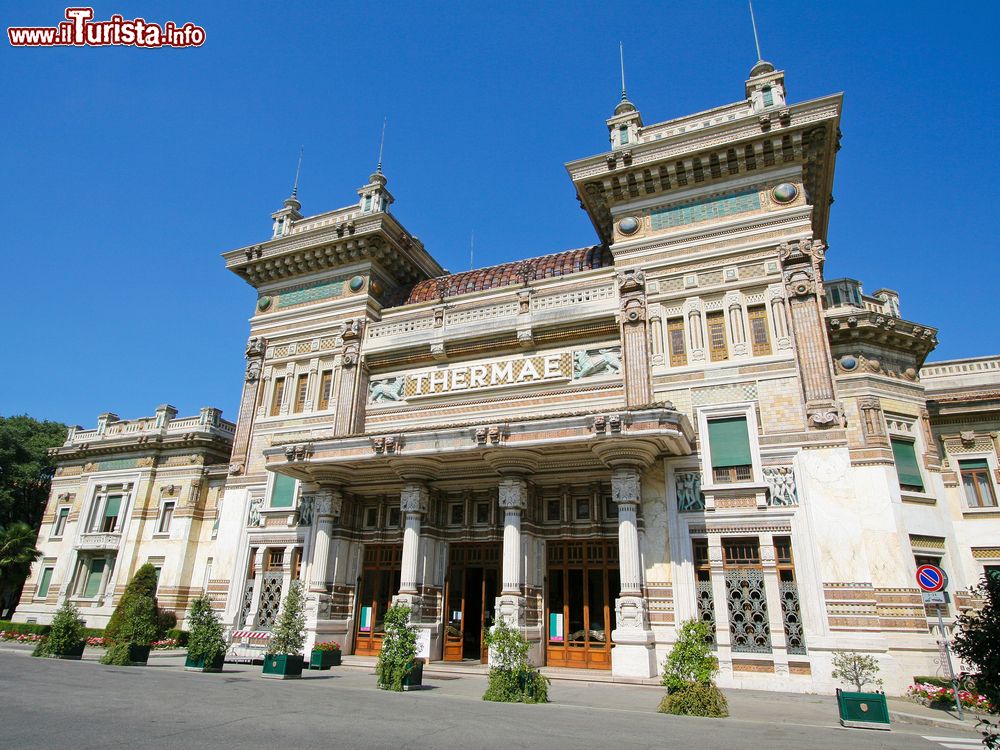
x=79, y=30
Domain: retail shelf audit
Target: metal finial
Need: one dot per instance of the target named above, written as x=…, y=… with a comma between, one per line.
x=621, y=59
x=472, y=250
x=381, y=145
x=756, y=40
x=298, y=168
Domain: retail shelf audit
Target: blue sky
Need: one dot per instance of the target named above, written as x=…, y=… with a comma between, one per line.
x=126, y=171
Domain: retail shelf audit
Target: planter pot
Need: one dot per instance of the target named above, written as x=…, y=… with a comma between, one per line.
x=199, y=665
x=324, y=659
x=414, y=679
x=72, y=653
x=283, y=666
x=138, y=655
x=863, y=710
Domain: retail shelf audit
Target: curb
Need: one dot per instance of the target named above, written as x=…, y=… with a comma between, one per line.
x=930, y=721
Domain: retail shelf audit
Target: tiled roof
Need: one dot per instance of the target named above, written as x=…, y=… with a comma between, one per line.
x=508, y=274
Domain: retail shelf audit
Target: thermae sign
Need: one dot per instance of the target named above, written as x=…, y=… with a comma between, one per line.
x=502, y=373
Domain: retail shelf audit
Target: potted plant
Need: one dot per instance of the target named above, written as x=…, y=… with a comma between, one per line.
x=512, y=679
x=136, y=630
x=283, y=660
x=325, y=655
x=860, y=709
x=66, y=639
x=143, y=584
x=397, y=667
x=689, y=675
x=206, y=644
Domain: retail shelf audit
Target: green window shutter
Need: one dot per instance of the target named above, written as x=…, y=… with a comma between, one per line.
x=729, y=442
x=94, y=579
x=113, y=506
x=623, y=135
x=768, y=97
x=977, y=463
x=43, y=585
x=283, y=492
x=907, y=468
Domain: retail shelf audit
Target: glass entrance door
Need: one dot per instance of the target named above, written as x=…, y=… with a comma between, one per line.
x=379, y=583
x=582, y=584
x=472, y=589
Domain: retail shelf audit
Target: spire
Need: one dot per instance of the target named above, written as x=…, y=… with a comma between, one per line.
x=381, y=145
x=292, y=201
x=762, y=66
x=624, y=105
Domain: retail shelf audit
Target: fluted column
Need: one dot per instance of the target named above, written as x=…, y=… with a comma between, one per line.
x=412, y=504
x=513, y=501
x=625, y=492
x=327, y=507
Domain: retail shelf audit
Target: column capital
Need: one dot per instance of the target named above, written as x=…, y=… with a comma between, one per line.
x=513, y=493
x=414, y=498
x=626, y=485
x=329, y=502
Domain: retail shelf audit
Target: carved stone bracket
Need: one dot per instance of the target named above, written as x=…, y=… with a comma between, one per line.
x=298, y=452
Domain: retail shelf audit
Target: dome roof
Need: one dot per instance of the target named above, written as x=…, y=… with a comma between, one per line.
x=762, y=67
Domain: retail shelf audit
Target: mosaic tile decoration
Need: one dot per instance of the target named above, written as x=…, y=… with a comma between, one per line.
x=724, y=394
x=705, y=210
x=318, y=290
x=118, y=463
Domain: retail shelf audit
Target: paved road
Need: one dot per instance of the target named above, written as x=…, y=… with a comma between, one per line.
x=83, y=705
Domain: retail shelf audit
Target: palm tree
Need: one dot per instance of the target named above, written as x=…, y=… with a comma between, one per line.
x=17, y=552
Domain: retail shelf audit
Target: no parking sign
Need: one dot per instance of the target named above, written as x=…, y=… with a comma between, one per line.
x=930, y=578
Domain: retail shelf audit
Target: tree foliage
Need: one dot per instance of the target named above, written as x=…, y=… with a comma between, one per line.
x=26, y=468
x=289, y=629
x=17, y=552
x=138, y=626
x=691, y=659
x=206, y=640
x=512, y=679
x=978, y=638
x=142, y=585
x=399, y=649
x=856, y=669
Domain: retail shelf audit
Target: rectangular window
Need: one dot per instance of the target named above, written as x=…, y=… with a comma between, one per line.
x=325, y=386
x=394, y=516
x=729, y=448
x=95, y=572
x=759, y=335
x=275, y=559
x=166, y=516
x=623, y=135
x=158, y=570
x=741, y=553
x=282, y=492
x=553, y=510
x=583, y=509
x=296, y=563
x=457, y=514
x=44, y=582
x=977, y=484
x=482, y=513
x=716, y=323
x=702, y=567
x=301, y=388
x=768, y=96
x=905, y=455
x=60, y=525
x=371, y=517
x=279, y=394
x=675, y=342
x=111, y=509
x=610, y=508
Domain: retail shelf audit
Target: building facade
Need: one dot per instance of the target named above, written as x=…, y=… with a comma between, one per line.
x=684, y=420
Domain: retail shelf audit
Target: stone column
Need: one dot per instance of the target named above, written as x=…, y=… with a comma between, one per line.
x=258, y=580
x=413, y=502
x=327, y=505
x=633, y=654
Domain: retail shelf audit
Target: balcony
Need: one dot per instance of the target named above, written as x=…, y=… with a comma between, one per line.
x=99, y=540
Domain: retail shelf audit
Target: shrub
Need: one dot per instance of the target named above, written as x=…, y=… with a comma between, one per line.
x=143, y=584
x=512, y=679
x=180, y=637
x=856, y=669
x=25, y=628
x=978, y=638
x=289, y=630
x=137, y=626
x=399, y=649
x=929, y=680
x=695, y=699
x=66, y=634
x=206, y=640
x=691, y=659
x=42, y=648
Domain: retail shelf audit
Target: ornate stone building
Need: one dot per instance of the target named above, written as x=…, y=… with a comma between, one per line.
x=685, y=420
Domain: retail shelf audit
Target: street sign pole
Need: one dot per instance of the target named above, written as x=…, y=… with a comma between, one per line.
x=951, y=669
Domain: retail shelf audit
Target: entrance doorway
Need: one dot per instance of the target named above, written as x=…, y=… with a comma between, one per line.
x=470, y=597
x=582, y=583
x=379, y=582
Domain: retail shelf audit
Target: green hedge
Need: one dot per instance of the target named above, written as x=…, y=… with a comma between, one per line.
x=181, y=636
x=26, y=628
x=935, y=681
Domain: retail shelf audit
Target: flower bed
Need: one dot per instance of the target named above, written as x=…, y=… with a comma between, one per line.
x=97, y=641
x=942, y=697
x=165, y=643
x=8, y=635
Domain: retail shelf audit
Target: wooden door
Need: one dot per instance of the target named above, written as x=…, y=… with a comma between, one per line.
x=379, y=583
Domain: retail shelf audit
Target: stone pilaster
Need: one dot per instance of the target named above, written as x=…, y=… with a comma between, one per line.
x=802, y=264
x=350, y=397
x=635, y=337
x=248, y=405
x=873, y=422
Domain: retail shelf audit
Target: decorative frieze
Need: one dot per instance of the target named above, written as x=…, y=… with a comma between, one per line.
x=781, y=485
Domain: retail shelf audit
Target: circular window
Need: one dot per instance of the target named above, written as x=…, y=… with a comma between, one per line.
x=848, y=363
x=628, y=225
x=357, y=283
x=263, y=303
x=785, y=192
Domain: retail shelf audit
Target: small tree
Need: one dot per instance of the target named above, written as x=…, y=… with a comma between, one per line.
x=289, y=630
x=512, y=679
x=68, y=631
x=142, y=585
x=399, y=649
x=688, y=674
x=206, y=641
x=856, y=669
x=978, y=638
x=691, y=659
x=138, y=627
